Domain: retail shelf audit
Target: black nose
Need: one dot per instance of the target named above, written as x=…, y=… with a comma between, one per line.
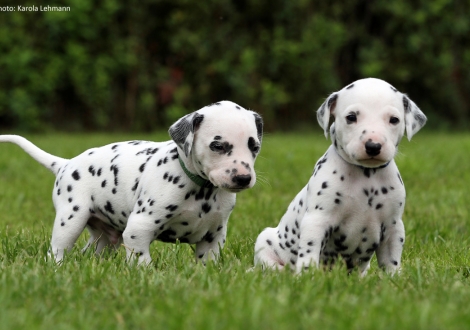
x=373, y=149
x=242, y=180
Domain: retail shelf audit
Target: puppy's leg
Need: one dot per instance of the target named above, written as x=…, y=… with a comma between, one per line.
x=67, y=228
x=314, y=233
x=137, y=236
x=363, y=268
x=389, y=251
x=266, y=254
x=97, y=237
x=210, y=245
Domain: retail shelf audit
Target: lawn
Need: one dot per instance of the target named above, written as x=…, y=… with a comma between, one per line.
x=87, y=292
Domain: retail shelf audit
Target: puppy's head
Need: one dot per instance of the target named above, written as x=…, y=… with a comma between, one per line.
x=221, y=143
x=370, y=119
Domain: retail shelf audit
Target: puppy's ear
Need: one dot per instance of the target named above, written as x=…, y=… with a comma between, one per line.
x=325, y=111
x=414, y=117
x=259, y=126
x=182, y=131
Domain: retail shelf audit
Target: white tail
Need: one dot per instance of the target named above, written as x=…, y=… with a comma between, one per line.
x=51, y=162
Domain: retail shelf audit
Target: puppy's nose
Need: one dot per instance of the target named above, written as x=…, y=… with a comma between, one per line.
x=242, y=180
x=373, y=149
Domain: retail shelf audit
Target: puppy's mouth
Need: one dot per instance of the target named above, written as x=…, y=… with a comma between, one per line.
x=372, y=162
x=233, y=189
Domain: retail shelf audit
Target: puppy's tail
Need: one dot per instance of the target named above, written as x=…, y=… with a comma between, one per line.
x=51, y=162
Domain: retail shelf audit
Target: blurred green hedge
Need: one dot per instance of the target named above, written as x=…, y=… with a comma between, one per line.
x=128, y=65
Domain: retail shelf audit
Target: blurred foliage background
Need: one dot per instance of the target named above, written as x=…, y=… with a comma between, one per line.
x=139, y=65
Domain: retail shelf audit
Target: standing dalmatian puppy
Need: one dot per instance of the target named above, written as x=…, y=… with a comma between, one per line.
x=352, y=205
x=140, y=191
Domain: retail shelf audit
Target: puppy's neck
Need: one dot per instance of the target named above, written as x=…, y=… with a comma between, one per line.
x=190, y=168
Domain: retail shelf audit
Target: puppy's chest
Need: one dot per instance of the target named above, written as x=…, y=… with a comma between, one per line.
x=192, y=221
x=352, y=194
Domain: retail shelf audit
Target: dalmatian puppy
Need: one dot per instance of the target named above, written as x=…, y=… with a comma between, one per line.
x=353, y=203
x=140, y=191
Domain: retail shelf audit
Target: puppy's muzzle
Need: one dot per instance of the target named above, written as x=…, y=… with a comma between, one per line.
x=373, y=149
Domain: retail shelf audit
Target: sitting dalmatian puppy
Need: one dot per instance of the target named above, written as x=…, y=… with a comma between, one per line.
x=141, y=191
x=353, y=204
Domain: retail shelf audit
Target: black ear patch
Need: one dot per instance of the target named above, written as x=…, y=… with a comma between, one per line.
x=197, y=120
x=182, y=132
x=332, y=101
x=406, y=104
x=259, y=126
x=325, y=111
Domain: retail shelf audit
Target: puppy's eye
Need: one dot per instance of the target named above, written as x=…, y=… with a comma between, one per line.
x=216, y=146
x=394, y=120
x=255, y=149
x=351, y=118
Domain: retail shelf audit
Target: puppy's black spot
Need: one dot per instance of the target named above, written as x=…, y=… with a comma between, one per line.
x=91, y=169
x=167, y=236
x=206, y=207
x=171, y=207
x=208, y=237
x=109, y=207
x=76, y=175
x=200, y=194
x=134, y=188
x=253, y=146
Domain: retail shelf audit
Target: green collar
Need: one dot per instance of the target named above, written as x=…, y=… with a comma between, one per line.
x=195, y=178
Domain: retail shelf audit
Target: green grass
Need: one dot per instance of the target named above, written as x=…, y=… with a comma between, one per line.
x=86, y=292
